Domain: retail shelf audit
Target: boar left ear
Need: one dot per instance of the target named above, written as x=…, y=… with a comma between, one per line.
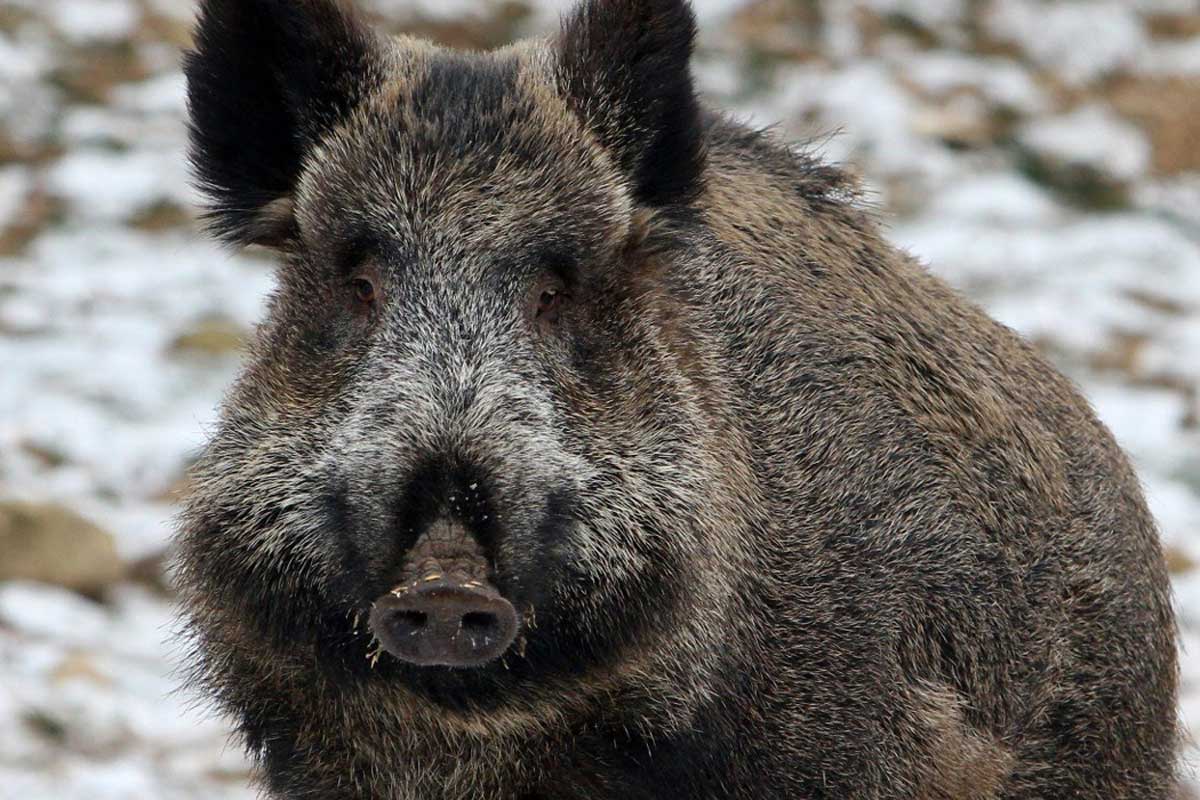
x=266, y=79
x=624, y=68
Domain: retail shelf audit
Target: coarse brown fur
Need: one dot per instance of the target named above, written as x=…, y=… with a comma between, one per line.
x=783, y=515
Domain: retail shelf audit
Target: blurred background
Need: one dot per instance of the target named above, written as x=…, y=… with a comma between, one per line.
x=1044, y=157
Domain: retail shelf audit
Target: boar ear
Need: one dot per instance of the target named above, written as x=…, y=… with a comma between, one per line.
x=266, y=79
x=623, y=66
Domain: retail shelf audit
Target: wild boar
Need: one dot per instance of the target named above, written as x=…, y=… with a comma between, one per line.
x=597, y=446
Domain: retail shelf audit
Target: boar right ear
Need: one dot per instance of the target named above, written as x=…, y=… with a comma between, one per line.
x=266, y=79
x=624, y=68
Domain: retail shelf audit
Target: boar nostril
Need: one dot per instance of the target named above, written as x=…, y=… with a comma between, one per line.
x=445, y=623
x=479, y=622
x=411, y=622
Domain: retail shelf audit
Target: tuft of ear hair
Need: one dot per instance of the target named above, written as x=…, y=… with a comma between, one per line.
x=266, y=79
x=623, y=66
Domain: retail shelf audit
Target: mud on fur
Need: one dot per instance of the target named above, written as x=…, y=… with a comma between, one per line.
x=794, y=519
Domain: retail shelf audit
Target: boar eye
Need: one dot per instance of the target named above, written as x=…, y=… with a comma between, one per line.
x=364, y=291
x=549, y=302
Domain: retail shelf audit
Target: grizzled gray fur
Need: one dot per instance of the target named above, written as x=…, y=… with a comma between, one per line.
x=597, y=446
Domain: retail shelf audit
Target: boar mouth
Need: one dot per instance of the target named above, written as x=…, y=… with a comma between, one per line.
x=446, y=611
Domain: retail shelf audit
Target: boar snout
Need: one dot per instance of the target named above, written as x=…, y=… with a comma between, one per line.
x=446, y=612
x=442, y=622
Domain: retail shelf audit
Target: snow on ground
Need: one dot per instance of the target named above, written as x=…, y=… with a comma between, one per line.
x=1030, y=151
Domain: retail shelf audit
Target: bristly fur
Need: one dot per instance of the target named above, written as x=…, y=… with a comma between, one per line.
x=624, y=68
x=266, y=79
x=784, y=516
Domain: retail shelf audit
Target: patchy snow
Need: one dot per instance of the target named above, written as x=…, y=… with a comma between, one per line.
x=1081, y=40
x=438, y=9
x=183, y=10
x=708, y=12
x=1001, y=81
x=96, y=20
x=102, y=270
x=15, y=184
x=1091, y=136
x=995, y=199
x=50, y=613
x=1176, y=508
x=929, y=13
x=163, y=94
x=22, y=59
x=1171, y=58
x=1183, y=7
x=820, y=101
x=114, y=186
x=1177, y=198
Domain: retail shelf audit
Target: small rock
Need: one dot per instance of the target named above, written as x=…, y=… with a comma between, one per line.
x=78, y=666
x=962, y=122
x=46, y=455
x=161, y=216
x=1123, y=354
x=1168, y=25
x=51, y=544
x=1178, y=561
x=1158, y=303
x=212, y=336
x=38, y=210
x=45, y=725
x=1168, y=110
x=167, y=27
